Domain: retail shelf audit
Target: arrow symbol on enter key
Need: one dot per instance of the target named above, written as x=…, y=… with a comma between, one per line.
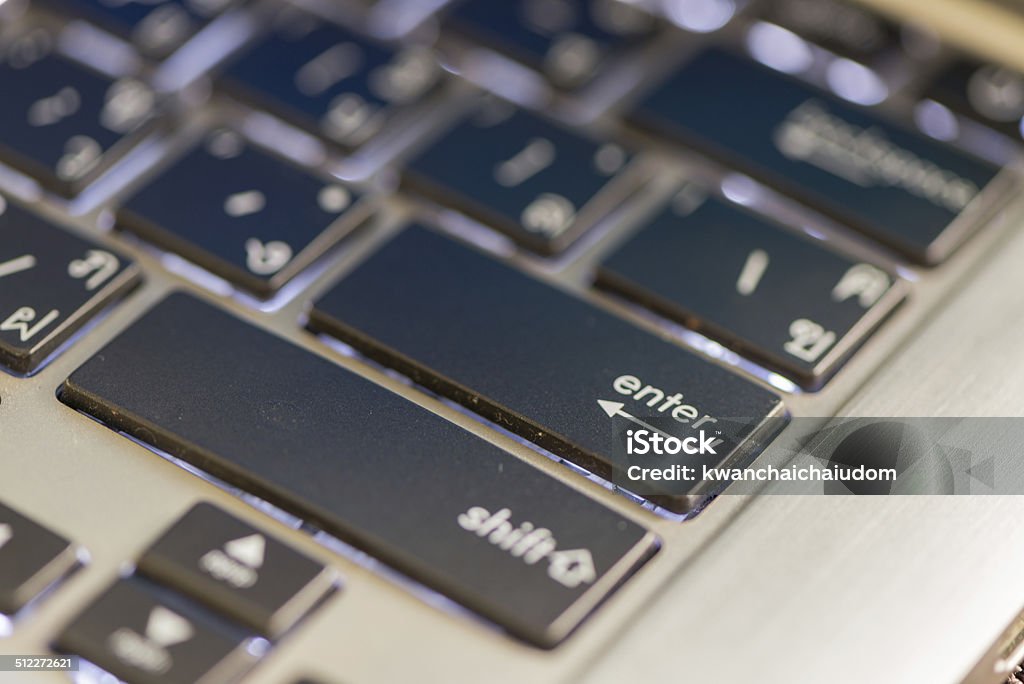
x=614, y=408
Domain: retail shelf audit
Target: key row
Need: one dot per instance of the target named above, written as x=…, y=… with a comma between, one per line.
x=777, y=296
x=202, y=591
x=203, y=596
x=344, y=86
x=513, y=167
x=840, y=159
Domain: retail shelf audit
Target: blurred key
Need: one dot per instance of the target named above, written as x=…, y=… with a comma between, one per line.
x=566, y=40
x=539, y=362
x=144, y=634
x=777, y=296
x=239, y=570
x=840, y=26
x=156, y=27
x=901, y=188
x=438, y=503
x=61, y=122
x=329, y=80
x=51, y=283
x=241, y=213
x=539, y=182
x=990, y=94
x=32, y=558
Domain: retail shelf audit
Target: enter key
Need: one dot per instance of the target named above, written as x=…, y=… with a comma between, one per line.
x=568, y=376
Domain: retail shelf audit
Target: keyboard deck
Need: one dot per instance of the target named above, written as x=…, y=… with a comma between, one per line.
x=361, y=281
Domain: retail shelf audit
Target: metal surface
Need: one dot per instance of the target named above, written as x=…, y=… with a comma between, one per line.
x=817, y=589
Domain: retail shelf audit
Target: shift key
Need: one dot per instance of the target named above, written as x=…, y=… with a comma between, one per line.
x=441, y=505
x=558, y=371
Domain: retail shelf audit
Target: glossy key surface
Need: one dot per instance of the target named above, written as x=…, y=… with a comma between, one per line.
x=899, y=187
x=237, y=569
x=775, y=295
x=567, y=41
x=51, y=283
x=433, y=500
x=61, y=122
x=538, y=361
x=32, y=558
x=243, y=214
x=329, y=79
x=538, y=181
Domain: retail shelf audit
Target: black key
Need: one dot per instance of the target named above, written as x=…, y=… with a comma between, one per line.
x=363, y=464
x=989, y=94
x=156, y=27
x=779, y=297
x=839, y=26
x=534, y=360
x=144, y=634
x=540, y=183
x=32, y=558
x=51, y=283
x=901, y=188
x=241, y=213
x=240, y=571
x=61, y=122
x=329, y=80
x=566, y=40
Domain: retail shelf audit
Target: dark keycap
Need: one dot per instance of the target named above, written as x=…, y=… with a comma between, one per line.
x=156, y=27
x=144, y=634
x=989, y=94
x=61, y=122
x=32, y=558
x=241, y=213
x=567, y=40
x=240, y=571
x=535, y=360
x=901, y=188
x=51, y=283
x=363, y=464
x=540, y=183
x=782, y=298
x=328, y=80
x=839, y=26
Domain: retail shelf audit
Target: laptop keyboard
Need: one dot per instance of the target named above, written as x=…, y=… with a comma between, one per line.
x=447, y=213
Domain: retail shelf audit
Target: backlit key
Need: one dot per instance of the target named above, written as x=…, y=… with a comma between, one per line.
x=774, y=295
x=241, y=213
x=566, y=40
x=51, y=284
x=61, y=122
x=539, y=182
x=906, y=190
x=329, y=80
